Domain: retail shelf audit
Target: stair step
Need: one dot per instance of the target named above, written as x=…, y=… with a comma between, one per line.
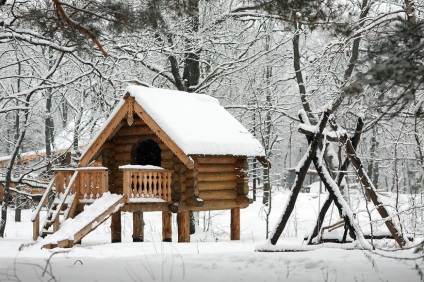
x=48, y=232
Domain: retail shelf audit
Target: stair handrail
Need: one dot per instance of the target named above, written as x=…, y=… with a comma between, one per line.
x=68, y=189
x=35, y=216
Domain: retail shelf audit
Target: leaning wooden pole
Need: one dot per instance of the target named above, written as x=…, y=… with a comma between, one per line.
x=371, y=192
x=342, y=172
x=300, y=177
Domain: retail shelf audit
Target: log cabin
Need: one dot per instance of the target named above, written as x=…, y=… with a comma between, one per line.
x=160, y=150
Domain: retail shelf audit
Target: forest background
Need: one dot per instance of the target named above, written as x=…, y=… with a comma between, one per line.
x=65, y=64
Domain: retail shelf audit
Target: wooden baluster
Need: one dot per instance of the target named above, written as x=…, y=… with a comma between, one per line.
x=133, y=184
x=137, y=177
x=96, y=185
x=164, y=187
x=128, y=185
x=168, y=190
x=137, y=189
x=160, y=177
x=87, y=185
x=91, y=180
x=98, y=177
x=140, y=181
x=81, y=184
x=145, y=194
x=155, y=182
x=149, y=185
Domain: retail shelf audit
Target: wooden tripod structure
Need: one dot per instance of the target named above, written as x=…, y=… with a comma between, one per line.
x=315, y=136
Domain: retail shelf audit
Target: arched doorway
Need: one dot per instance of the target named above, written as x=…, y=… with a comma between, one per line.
x=148, y=153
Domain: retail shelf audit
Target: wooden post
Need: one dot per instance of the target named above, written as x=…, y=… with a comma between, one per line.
x=138, y=227
x=36, y=227
x=115, y=227
x=183, y=220
x=166, y=226
x=56, y=224
x=235, y=224
x=307, y=159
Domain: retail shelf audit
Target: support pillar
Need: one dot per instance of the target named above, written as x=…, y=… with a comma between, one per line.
x=235, y=224
x=183, y=221
x=115, y=227
x=138, y=227
x=166, y=226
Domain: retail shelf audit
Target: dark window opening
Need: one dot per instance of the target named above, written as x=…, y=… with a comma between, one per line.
x=148, y=153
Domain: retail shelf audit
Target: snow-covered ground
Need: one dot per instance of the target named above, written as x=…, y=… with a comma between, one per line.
x=210, y=256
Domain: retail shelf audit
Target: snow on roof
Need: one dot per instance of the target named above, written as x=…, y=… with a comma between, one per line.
x=197, y=123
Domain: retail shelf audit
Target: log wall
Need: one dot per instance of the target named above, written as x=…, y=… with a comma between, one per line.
x=120, y=150
x=218, y=181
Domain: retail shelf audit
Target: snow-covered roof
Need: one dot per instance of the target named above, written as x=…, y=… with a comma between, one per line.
x=197, y=123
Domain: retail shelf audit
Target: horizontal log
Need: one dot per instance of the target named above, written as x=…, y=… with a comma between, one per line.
x=217, y=159
x=219, y=205
x=219, y=185
x=189, y=174
x=218, y=195
x=134, y=131
x=243, y=199
x=123, y=157
x=145, y=207
x=191, y=182
x=167, y=155
x=123, y=149
x=179, y=166
x=216, y=168
x=179, y=187
x=178, y=207
x=194, y=202
x=167, y=164
x=178, y=177
x=216, y=176
x=118, y=140
x=138, y=121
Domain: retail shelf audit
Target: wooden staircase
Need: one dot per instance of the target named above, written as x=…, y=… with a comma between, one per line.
x=71, y=186
x=63, y=207
x=74, y=229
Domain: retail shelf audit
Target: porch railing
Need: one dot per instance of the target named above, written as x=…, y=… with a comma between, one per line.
x=92, y=183
x=87, y=184
x=143, y=185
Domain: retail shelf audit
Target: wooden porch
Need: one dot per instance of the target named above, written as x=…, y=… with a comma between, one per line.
x=73, y=188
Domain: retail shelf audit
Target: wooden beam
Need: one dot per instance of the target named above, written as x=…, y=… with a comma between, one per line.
x=183, y=221
x=216, y=168
x=135, y=131
x=307, y=159
x=218, y=195
x=235, y=224
x=371, y=192
x=115, y=227
x=217, y=159
x=166, y=226
x=217, y=176
x=220, y=205
x=138, y=227
x=311, y=134
x=145, y=207
x=221, y=185
x=194, y=202
x=163, y=136
x=321, y=216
